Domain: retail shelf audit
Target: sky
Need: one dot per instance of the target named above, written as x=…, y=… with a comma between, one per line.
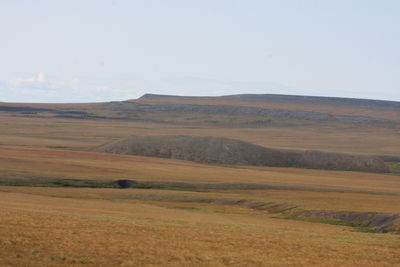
x=110, y=50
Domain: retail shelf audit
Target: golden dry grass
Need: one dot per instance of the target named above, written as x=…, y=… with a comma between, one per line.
x=309, y=200
x=48, y=231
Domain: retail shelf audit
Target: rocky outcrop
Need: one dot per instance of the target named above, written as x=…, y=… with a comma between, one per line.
x=216, y=150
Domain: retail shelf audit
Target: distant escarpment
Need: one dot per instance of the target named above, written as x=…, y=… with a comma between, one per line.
x=339, y=101
x=216, y=150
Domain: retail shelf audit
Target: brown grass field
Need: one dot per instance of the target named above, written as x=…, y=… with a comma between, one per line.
x=43, y=224
x=88, y=231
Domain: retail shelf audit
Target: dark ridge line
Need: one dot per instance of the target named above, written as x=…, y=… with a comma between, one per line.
x=360, y=102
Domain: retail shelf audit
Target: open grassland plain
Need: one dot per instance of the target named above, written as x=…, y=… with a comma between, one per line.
x=76, y=227
x=60, y=204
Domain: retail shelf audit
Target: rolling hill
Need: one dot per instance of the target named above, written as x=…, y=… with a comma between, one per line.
x=227, y=151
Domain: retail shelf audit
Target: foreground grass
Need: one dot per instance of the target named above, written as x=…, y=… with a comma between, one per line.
x=53, y=231
x=367, y=220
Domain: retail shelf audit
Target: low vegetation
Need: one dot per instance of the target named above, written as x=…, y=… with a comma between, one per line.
x=235, y=152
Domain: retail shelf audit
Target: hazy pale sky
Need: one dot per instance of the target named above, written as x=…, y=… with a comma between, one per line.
x=82, y=50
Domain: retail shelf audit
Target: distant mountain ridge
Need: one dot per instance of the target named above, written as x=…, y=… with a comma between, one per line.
x=368, y=103
x=129, y=107
x=246, y=110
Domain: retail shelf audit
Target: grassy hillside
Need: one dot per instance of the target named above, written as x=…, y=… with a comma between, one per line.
x=216, y=150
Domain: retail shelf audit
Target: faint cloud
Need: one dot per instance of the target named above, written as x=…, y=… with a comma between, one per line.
x=38, y=88
x=39, y=79
x=75, y=81
x=101, y=88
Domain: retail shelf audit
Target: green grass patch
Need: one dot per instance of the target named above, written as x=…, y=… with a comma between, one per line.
x=328, y=221
x=57, y=147
x=160, y=186
x=183, y=208
x=358, y=227
x=394, y=167
x=38, y=181
x=55, y=181
x=366, y=229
